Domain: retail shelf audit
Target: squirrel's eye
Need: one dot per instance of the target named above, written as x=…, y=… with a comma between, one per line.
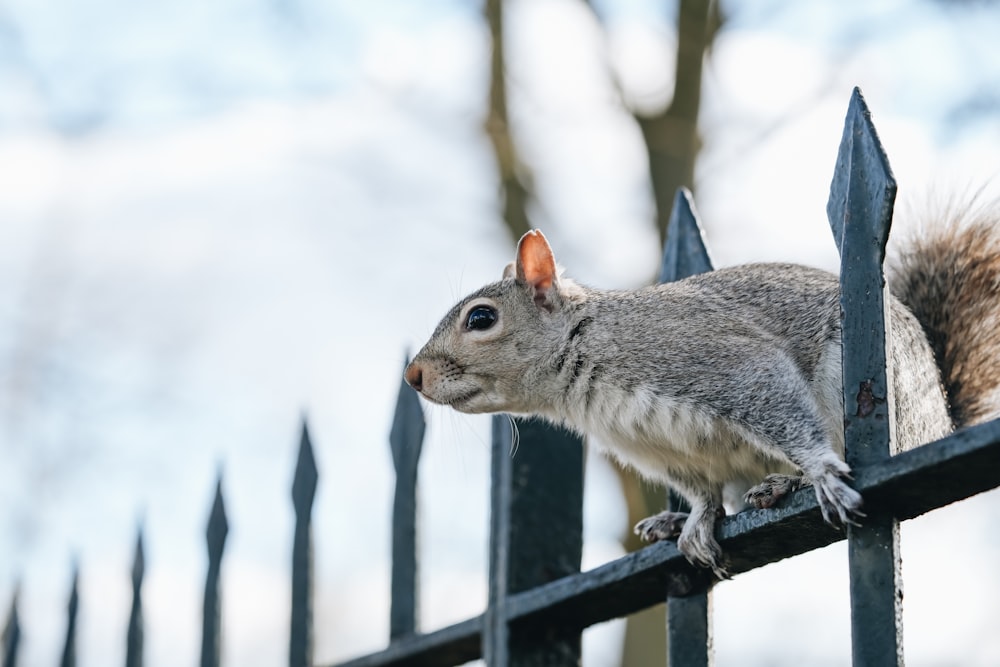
x=481, y=318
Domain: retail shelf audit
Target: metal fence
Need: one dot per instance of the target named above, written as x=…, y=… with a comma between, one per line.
x=539, y=602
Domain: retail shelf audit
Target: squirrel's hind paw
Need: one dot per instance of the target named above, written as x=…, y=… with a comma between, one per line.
x=662, y=526
x=774, y=487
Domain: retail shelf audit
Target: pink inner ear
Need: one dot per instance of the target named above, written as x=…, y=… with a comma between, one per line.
x=536, y=260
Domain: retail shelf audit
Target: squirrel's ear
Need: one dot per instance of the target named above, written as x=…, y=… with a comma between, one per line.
x=510, y=271
x=536, y=266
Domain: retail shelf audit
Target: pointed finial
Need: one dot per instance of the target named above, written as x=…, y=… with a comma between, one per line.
x=684, y=253
x=306, y=474
x=408, y=425
x=218, y=525
x=138, y=560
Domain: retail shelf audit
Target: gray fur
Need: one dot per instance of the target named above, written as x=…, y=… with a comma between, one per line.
x=708, y=384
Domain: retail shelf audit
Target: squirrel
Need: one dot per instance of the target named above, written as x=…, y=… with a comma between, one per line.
x=725, y=386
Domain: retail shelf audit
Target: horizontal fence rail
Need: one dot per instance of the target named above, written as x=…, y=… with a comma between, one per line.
x=539, y=602
x=909, y=485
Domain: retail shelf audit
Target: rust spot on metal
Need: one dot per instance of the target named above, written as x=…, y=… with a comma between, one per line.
x=867, y=401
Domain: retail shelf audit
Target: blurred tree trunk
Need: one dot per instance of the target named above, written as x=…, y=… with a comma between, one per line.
x=672, y=138
x=672, y=144
x=514, y=187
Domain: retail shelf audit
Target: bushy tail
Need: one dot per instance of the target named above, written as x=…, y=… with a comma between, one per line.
x=949, y=276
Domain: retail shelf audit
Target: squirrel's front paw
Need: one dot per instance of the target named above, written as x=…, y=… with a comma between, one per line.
x=840, y=504
x=662, y=526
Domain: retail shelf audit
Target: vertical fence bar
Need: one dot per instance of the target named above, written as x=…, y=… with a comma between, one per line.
x=689, y=619
x=496, y=637
x=69, y=646
x=536, y=536
x=134, y=638
x=218, y=528
x=406, y=440
x=11, y=633
x=860, y=212
x=300, y=646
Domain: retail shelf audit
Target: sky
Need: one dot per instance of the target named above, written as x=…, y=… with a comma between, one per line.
x=220, y=219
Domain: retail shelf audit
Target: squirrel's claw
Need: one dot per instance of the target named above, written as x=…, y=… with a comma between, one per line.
x=840, y=504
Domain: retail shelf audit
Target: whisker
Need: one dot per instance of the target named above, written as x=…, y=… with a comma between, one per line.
x=515, y=436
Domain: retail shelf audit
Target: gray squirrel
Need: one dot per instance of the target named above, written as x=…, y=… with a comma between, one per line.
x=725, y=386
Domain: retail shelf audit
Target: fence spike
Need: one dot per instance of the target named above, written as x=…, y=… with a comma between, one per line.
x=407, y=435
x=11, y=636
x=303, y=493
x=860, y=211
x=69, y=646
x=684, y=252
x=218, y=528
x=689, y=618
x=306, y=473
x=406, y=441
x=134, y=638
x=855, y=200
x=862, y=195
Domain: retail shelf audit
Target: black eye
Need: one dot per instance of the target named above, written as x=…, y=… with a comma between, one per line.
x=481, y=318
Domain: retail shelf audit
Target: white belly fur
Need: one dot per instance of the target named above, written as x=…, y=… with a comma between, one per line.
x=663, y=437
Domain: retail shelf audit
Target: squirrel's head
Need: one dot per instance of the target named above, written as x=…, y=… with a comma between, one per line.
x=489, y=352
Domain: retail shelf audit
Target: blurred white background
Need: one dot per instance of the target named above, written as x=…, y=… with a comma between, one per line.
x=216, y=218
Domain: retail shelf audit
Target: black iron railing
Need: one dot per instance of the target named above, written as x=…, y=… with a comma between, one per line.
x=539, y=602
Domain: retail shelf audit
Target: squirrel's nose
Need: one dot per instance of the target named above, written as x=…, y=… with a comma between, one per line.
x=414, y=376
